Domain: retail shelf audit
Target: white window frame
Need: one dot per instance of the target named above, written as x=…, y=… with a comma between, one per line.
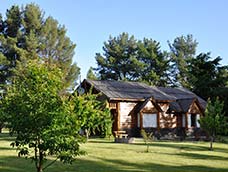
x=189, y=121
x=197, y=120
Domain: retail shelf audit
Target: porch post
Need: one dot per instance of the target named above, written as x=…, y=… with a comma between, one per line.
x=158, y=120
x=141, y=120
x=186, y=121
x=118, y=116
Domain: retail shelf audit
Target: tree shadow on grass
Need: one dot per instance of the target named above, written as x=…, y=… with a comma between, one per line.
x=202, y=156
x=14, y=164
x=6, y=148
x=156, y=167
x=185, y=146
x=6, y=137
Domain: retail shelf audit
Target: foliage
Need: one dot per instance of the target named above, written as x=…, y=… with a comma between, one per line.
x=201, y=73
x=147, y=137
x=214, y=122
x=208, y=78
x=25, y=32
x=156, y=63
x=119, y=57
x=41, y=117
x=182, y=50
x=93, y=114
x=204, y=70
x=126, y=58
x=91, y=75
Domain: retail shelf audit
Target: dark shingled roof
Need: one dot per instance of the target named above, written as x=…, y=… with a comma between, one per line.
x=128, y=90
x=115, y=90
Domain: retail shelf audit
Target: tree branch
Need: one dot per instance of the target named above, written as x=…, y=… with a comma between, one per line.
x=48, y=165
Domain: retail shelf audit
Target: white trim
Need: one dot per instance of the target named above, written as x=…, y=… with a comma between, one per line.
x=189, y=121
x=197, y=120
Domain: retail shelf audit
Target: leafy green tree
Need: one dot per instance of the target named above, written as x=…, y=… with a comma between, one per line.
x=42, y=118
x=126, y=58
x=214, y=122
x=147, y=137
x=25, y=32
x=182, y=50
x=93, y=114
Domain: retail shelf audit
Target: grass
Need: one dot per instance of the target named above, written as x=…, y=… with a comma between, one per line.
x=105, y=156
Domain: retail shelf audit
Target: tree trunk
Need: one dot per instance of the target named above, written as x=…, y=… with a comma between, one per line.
x=87, y=134
x=147, y=150
x=39, y=168
x=211, y=143
x=40, y=160
x=1, y=126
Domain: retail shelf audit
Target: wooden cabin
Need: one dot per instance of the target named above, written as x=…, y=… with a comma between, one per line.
x=135, y=106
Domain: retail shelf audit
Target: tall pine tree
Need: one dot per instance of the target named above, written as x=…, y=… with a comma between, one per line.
x=126, y=58
x=26, y=33
x=118, y=61
x=182, y=50
x=156, y=63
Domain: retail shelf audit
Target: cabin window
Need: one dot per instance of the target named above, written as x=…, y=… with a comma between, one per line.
x=149, y=120
x=193, y=120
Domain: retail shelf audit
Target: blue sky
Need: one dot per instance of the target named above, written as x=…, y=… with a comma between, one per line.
x=90, y=22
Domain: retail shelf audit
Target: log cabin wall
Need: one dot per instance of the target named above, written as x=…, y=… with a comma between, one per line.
x=125, y=120
x=167, y=120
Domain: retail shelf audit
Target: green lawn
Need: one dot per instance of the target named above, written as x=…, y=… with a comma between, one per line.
x=106, y=156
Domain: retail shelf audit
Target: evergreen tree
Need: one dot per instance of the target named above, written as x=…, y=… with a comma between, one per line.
x=155, y=63
x=208, y=78
x=183, y=49
x=26, y=33
x=118, y=58
x=91, y=75
x=126, y=58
